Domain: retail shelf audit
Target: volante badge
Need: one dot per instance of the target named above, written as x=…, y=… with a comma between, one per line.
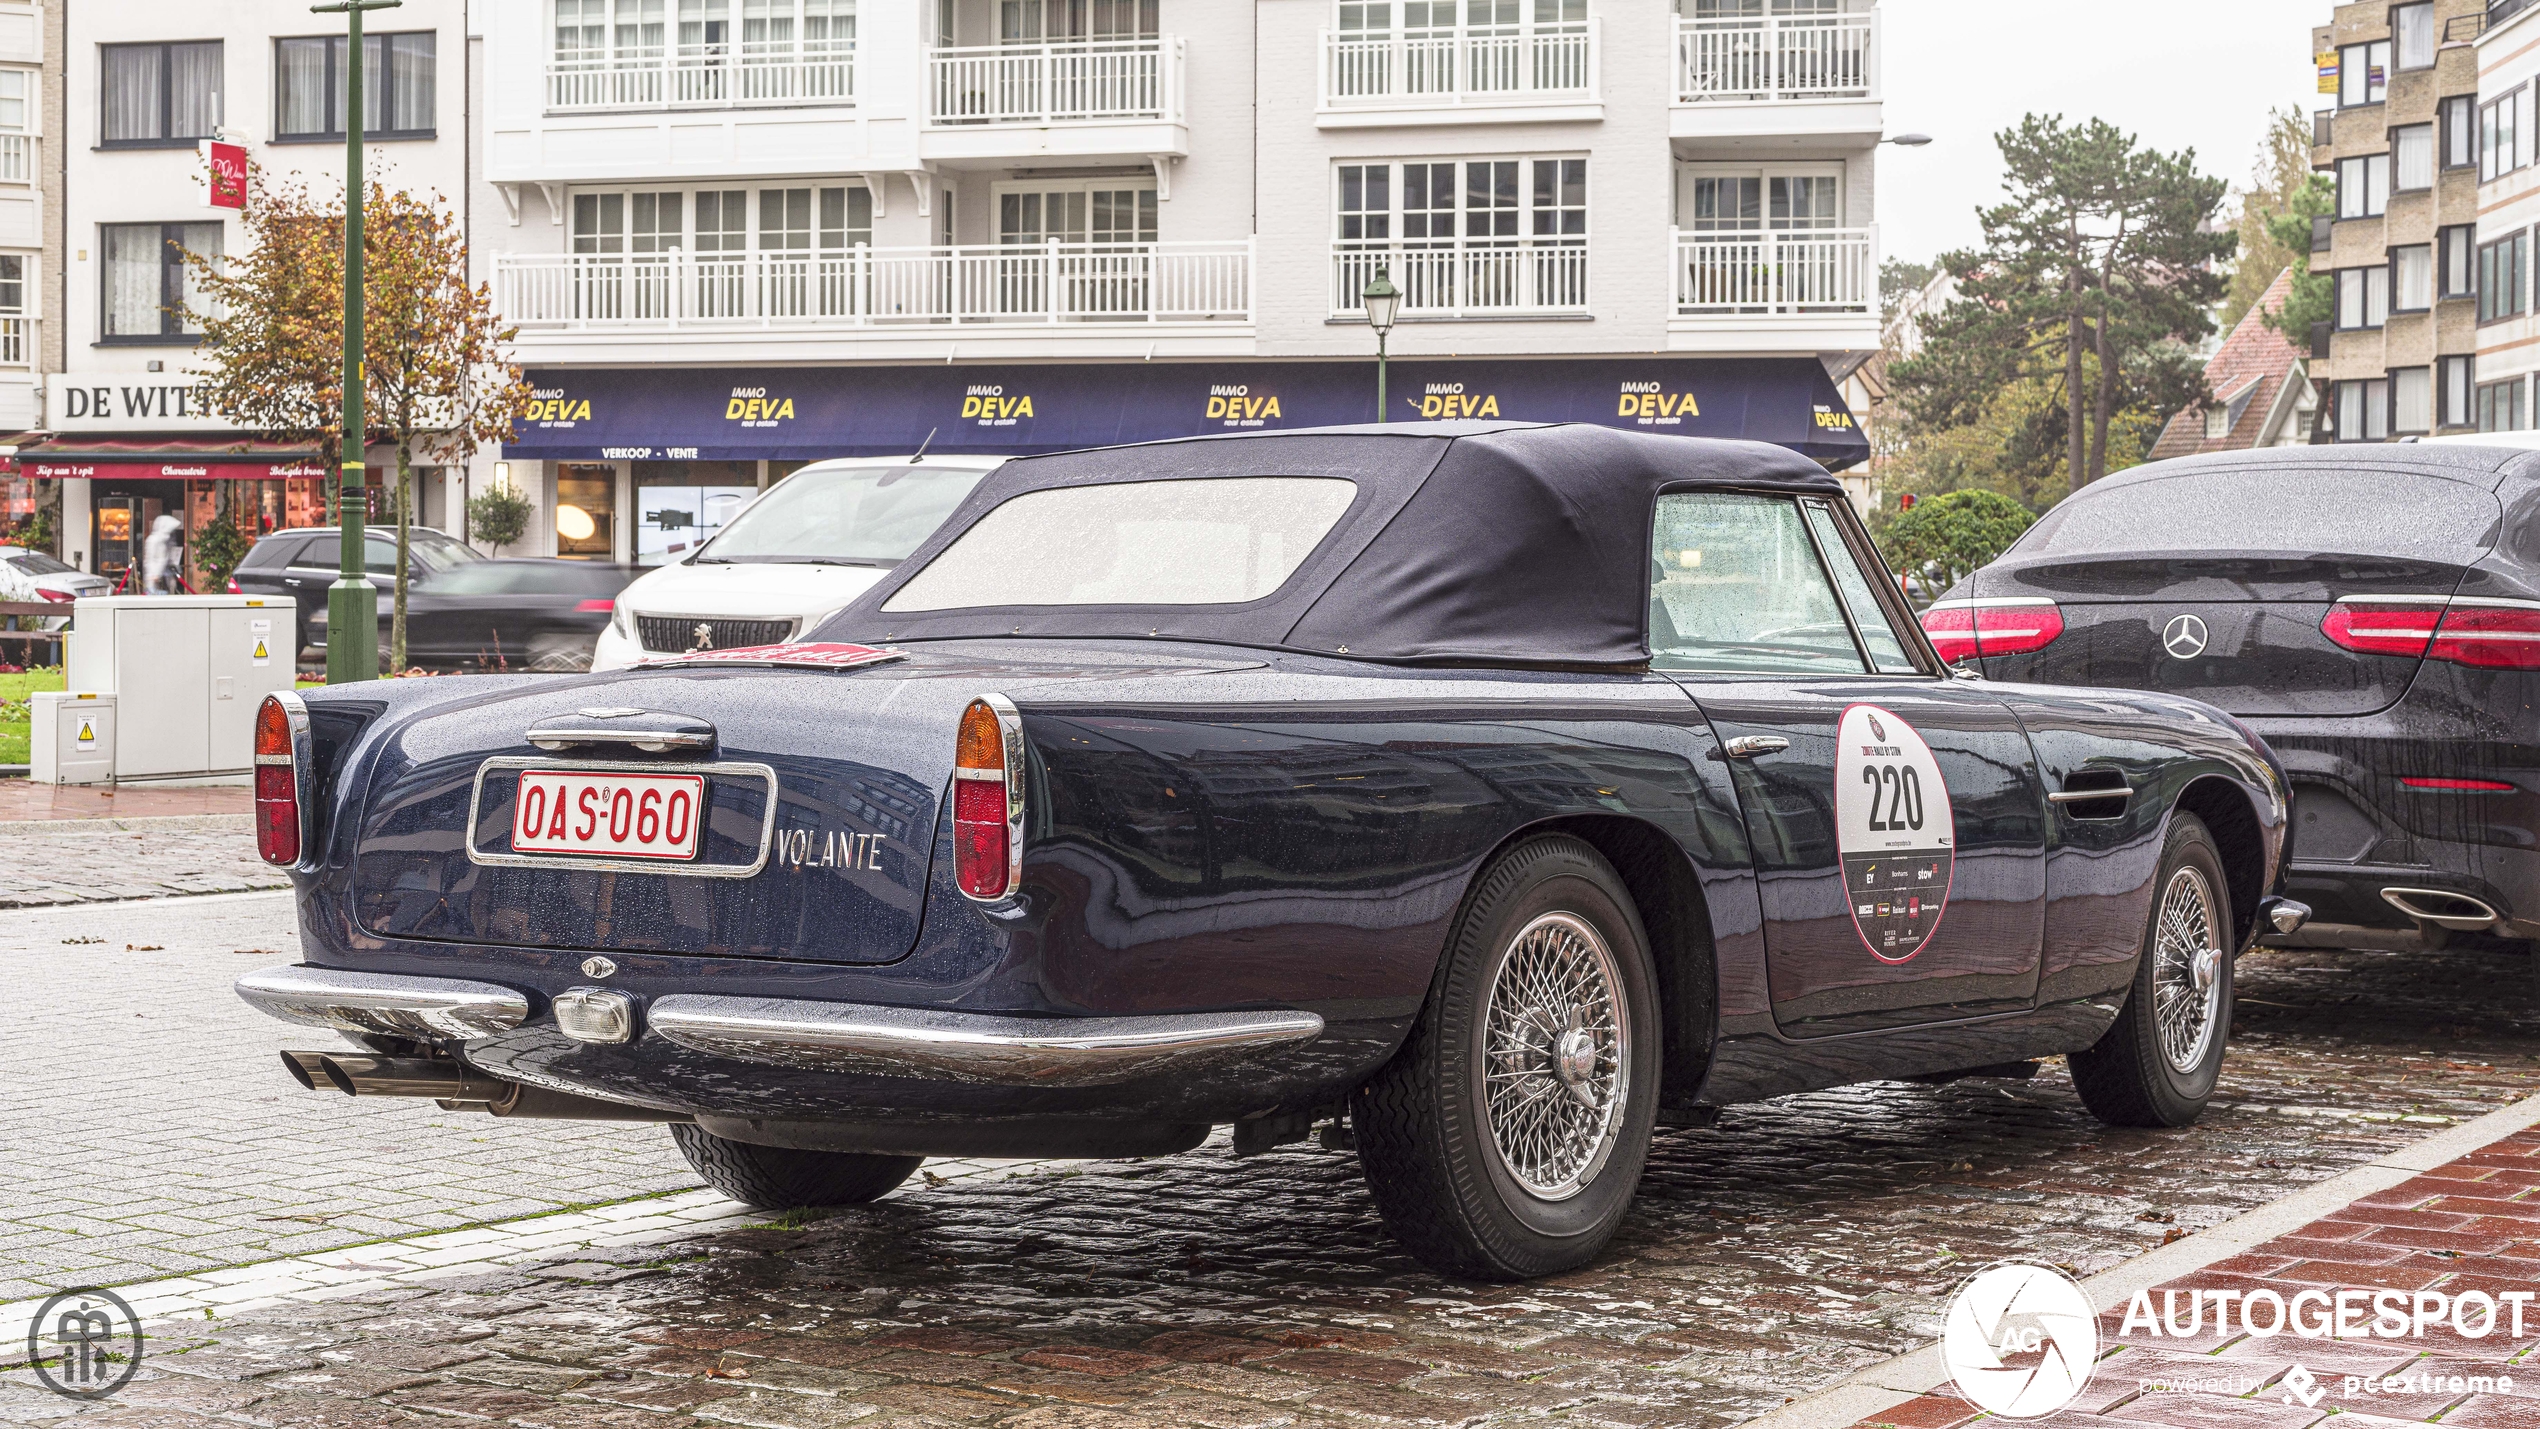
x=1893, y=830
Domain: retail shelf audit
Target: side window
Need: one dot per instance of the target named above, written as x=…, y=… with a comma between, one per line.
x=1887, y=652
x=1736, y=587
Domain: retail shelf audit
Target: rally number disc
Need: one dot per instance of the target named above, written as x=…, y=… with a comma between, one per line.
x=1893, y=830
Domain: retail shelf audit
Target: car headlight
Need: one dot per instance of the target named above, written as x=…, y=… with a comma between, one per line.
x=624, y=620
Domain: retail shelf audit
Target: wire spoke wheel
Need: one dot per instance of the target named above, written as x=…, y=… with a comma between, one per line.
x=1556, y=1055
x=2187, y=970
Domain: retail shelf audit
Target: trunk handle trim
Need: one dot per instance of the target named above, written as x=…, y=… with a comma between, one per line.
x=490, y=859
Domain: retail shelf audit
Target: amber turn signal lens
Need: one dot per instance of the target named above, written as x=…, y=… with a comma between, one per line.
x=981, y=744
x=273, y=730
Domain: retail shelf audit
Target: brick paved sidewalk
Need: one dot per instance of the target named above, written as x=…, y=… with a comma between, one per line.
x=24, y=799
x=56, y=862
x=2465, y=1229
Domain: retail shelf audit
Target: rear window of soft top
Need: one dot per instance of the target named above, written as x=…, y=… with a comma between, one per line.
x=2342, y=511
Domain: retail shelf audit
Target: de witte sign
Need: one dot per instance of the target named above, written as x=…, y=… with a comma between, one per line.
x=127, y=402
x=221, y=176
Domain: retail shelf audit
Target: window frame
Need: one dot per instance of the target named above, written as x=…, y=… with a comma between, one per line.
x=2457, y=114
x=2464, y=236
x=2393, y=376
x=2364, y=168
x=2433, y=40
x=2362, y=78
x=2398, y=169
x=2367, y=409
x=2514, y=251
x=169, y=272
x=2430, y=281
x=2455, y=381
x=2362, y=278
x=167, y=93
x=2485, y=401
x=751, y=234
x=335, y=47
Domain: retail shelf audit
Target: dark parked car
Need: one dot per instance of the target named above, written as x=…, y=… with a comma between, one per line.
x=2372, y=611
x=1481, y=793
x=514, y=614
x=300, y=563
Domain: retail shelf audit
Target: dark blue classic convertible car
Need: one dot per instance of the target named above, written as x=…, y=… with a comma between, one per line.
x=1481, y=795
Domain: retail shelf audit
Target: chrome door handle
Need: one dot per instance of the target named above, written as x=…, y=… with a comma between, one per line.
x=2084, y=796
x=1747, y=746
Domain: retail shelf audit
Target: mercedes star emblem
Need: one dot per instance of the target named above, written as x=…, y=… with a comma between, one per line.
x=2184, y=637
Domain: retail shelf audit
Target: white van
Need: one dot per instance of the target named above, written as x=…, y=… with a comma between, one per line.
x=793, y=557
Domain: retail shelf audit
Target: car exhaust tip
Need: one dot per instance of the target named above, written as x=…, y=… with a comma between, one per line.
x=2443, y=908
x=306, y=1068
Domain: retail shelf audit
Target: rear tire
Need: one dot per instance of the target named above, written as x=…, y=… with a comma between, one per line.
x=2157, y=1066
x=780, y=1178
x=1505, y=1139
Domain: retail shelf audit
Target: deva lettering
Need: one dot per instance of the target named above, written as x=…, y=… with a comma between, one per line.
x=758, y=409
x=1241, y=407
x=1656, y=404
x=1457, y=404
x=991, y=407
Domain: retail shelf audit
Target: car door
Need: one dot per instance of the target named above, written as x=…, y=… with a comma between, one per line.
x=1896, y=815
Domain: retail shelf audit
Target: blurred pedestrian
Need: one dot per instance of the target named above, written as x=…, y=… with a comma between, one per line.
x=162, y=554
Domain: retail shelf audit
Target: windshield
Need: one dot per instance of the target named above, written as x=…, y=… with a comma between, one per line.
x=2345, y=512
x=847, y=515
x=531, y=577
x=1214, y=541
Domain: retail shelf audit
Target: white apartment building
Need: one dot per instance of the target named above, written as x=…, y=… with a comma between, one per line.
x=22, y=62
x=738, y=235
x=148, y=80
x=2508, y=216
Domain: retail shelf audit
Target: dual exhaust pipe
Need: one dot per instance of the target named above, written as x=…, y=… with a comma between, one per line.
x=456, y=1087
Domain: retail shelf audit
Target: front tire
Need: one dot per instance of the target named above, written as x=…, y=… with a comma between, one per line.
x=780, y=1178
x=1505, y=1139
x=2158, y=1065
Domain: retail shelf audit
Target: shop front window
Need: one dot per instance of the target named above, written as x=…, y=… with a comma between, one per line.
x=586, y=511
x=679, y=504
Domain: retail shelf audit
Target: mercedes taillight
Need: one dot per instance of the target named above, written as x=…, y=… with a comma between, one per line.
x=282, y=746
x=2487, y=634
x=988, y=799
x=2007, y=625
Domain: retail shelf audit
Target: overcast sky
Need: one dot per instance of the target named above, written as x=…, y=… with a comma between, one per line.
x=2176, y=73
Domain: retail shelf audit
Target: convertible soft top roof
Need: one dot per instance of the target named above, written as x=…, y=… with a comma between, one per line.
x=1468, y=542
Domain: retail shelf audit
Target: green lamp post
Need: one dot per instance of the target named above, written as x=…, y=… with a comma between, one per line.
x=1383, y=301
x=352, y=603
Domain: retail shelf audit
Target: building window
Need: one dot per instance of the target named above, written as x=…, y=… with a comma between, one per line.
x=2412, y=278
x=2363, y=186
x=2412, y=155
x=1087, y=211
x=2500, y=406
x=2460, y=131
x=2363, y=411
x=1436, y=226
x=161, y=95
x=714, y=222
x=147, y=285
x=310, y=78
x=2504, y=276
x=2505, y=132
x=2459, y=270
x=2455, y=378
x=2217, y=422
x=2363, y=298
x=586, y=511
x=17, y=100
x=2363, y=73
x=2412, y=400
x=2412, y=29
x=623, y=34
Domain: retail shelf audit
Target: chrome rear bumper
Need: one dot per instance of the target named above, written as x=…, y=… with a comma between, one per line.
x=816, y=1036
x=378, y=1003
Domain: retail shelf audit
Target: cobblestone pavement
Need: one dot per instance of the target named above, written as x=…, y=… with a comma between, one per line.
x=151, y=1131
x=58, y=862
x=1770, y=1255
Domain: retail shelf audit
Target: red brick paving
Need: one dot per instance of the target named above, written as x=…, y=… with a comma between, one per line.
x=2466, y=1227
x=24, y=799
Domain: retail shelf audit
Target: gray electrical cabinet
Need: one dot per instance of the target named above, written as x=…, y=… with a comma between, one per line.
x=187, y=673
x=71, y=737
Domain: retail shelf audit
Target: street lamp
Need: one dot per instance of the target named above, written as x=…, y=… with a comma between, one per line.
x=352, y=604
x=1383, y=300
x=1908, y=141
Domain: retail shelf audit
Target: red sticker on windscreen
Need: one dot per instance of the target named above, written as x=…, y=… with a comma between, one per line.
x=811, y=654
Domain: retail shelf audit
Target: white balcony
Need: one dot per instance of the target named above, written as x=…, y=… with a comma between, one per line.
x=1056, y=286
x=17, y=158
x=1777, y=74
x=1812, y=290
x=1482, y=74
x=718, y=76
x=1467, y=277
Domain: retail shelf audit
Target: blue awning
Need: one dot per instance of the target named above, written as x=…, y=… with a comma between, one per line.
x=807, y=413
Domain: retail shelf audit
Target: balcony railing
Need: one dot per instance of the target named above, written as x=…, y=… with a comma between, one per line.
x=1056, y=83
x=1048, y=284
x=1777, y=58
x=1817, y=270
x=1482, y=65
x=715, y=76
x=1466, y=277
x=17, y=158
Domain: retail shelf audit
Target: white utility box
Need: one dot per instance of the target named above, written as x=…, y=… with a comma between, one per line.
x=187, y=673
x=72, y=740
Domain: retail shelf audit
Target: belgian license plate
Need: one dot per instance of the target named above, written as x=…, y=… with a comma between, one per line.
x=618, y=815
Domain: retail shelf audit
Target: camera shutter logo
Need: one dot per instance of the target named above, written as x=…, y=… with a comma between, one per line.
x=2020, y=1340
x=84, y=1344
x=2184, y=637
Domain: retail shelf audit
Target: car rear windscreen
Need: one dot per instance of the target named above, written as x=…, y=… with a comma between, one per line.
x=2345, y=511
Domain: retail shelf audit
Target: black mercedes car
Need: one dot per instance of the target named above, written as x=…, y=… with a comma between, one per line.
x=2372, y=611
x=1478, y=794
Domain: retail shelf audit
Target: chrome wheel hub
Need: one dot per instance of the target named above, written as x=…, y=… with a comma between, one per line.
x=2187, y=971
x=1556, y=1056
